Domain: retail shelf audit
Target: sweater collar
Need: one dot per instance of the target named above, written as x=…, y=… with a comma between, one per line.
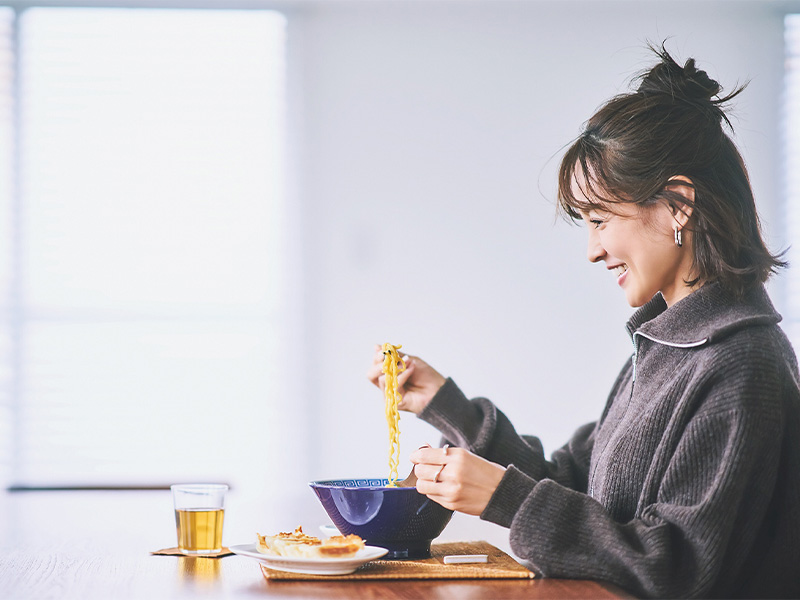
x=706, y=315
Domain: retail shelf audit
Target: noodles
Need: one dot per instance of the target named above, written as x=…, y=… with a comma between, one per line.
x=392, y=365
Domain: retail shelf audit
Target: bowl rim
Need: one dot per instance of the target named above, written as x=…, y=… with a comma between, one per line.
x=360, y=483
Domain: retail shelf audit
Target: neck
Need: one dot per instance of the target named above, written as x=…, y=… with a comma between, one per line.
x=680, y=291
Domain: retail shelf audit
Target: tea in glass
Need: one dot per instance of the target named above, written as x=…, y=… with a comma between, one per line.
x=199, y=515
x=199, y=530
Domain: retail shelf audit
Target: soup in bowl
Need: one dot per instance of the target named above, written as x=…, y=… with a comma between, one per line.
x=399, y=519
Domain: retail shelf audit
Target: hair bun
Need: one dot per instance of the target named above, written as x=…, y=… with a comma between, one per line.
x=687, y=85
x=681, y=83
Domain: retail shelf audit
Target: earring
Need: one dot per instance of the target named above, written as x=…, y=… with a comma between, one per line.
x=678, y=240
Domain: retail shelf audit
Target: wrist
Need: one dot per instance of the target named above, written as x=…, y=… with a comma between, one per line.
x=430, y=393
x=511, y=491
x=445, y=400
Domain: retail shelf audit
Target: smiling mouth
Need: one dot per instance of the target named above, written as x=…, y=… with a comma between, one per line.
x=620, y=269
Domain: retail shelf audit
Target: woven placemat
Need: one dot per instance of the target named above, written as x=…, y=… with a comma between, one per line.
x=499, y=566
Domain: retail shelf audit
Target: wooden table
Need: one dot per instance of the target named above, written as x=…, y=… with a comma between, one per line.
x=97, y=545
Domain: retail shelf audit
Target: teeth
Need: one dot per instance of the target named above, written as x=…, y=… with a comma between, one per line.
x=620, y=269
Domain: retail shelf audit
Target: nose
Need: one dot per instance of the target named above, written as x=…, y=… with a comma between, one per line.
x=594, y=250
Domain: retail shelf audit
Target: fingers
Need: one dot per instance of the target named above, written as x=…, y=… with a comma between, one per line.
x=430, y=473
x=438, y=492
x=407, y=374
x=436, y=456
x=457, y=479
x=439, y=484
x=377, y=355
x=375, y=371
x=438, y=470
x=375, y=375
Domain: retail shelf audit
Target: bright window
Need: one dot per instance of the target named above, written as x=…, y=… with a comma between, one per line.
x=140, y=294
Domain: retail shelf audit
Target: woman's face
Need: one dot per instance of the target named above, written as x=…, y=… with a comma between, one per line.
x=640, y=251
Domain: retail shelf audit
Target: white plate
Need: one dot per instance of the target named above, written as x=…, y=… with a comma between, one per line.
x=311, y=566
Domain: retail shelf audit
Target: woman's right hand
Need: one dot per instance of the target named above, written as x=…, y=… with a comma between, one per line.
x=417, y=384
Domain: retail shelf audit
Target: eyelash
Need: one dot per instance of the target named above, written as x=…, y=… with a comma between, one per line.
x=596, y=222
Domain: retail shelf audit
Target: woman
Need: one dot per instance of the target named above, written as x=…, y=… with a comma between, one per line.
x=689, y=483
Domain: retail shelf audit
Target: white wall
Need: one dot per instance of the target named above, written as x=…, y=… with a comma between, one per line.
x=426, y=136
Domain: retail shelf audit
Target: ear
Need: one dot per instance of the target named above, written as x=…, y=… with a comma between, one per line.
x=683, y=186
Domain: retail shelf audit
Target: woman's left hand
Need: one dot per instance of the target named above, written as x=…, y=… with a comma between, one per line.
x=456, y=478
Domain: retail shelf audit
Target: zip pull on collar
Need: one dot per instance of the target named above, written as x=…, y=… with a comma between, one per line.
x=704, y=316
x=668, y=343
x=662, y=342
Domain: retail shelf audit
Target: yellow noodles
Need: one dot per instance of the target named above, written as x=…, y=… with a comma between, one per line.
x=392, y=366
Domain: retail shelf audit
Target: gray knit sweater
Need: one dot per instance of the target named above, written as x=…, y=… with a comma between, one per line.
x=688, y=485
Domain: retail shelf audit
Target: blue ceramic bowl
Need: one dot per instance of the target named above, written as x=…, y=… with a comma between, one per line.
x=399, y=519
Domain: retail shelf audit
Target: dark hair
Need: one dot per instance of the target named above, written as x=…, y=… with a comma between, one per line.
x=672, y=125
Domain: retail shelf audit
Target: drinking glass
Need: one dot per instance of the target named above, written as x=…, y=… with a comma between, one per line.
x=199, y=513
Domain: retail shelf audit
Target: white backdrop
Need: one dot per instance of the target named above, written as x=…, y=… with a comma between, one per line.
x=425, y=137
x=423, y=141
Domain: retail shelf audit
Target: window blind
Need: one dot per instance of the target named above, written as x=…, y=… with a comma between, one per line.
x=150, y=190
x=7, y=204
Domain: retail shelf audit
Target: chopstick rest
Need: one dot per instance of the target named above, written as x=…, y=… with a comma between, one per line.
x=458, y=559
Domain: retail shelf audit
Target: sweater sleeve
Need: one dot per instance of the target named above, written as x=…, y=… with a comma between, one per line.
x=696, y=530
x=480, y=427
